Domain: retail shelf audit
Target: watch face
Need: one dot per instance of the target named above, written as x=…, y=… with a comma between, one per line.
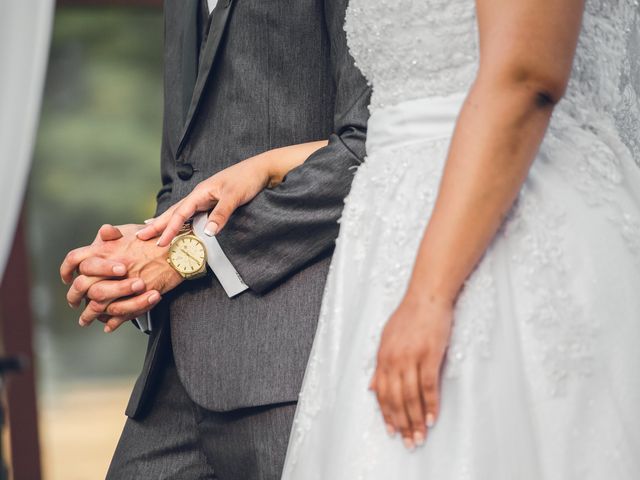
x=187, y=254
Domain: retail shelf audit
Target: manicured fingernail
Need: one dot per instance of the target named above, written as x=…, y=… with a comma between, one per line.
x=431, y=420
x=107, y=329
x=119, y=269
x=408, y=443
x=418, y=438
x=211, y=229
x=148, y=221
x=137, y=285
x=153, y=298
x=391, y=431
x=82, y=323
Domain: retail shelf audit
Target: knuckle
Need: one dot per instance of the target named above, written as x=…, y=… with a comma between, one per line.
x=86, y=266
x=95, y=307
x=115, y=310
x=420, y=350
x=79, y=284
x=204, y=191
x=384, y=356
x=395, y=358
x=402, y=422
x=411, y=396
x=395, y=403
x=184, y=210
x=217, y=191
x=97, y=292
x=71, y=257
x=429, y=384
x=217, y=216
x=231, y=191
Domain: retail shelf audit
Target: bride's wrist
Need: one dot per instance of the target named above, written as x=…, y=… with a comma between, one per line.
x=269, y=166
x=422, y=292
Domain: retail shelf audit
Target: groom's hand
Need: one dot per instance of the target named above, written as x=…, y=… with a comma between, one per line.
x=117, y=300
x=69, y=267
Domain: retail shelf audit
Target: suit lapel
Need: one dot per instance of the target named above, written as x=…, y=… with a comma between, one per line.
x=189, y=54
x=218, y=24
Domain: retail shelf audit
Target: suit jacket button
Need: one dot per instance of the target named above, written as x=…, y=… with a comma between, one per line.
x=185, y=171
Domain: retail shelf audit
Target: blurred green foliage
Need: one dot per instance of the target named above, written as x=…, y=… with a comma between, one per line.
x=96, y=161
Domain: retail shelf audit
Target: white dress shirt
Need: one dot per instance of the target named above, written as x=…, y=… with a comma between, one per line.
x=218, y=262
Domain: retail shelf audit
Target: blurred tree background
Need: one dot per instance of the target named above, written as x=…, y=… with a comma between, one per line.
x=96, y=161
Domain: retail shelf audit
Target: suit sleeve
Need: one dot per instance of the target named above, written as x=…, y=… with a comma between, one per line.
x=285, y=228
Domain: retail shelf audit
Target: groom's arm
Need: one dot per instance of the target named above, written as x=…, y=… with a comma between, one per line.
x=285, y=228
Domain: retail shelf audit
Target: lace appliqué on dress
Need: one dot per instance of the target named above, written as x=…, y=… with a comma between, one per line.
x=564, y=332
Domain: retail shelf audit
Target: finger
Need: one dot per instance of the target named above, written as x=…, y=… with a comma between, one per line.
x=413, y=404
x=110, y=290
x=114, y=323
x=430, y=386
x=79, y=289
x=381, y=390
x=92, y=311
x=73, y=259
x=398, y=412
x=109, y=232
x=220, y=215
x=157, y=225
x=101, y=267
x=194, y=202
x=175, y=223
x=134, y=305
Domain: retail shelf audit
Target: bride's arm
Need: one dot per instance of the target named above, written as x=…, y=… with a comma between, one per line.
x=526, y=53
x=229, y=189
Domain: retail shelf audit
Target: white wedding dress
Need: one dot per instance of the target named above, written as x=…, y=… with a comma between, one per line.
x=542, y=377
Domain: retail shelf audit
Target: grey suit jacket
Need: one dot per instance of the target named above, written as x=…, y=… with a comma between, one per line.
x=271, y=73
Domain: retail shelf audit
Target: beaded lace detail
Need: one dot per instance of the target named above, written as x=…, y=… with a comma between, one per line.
x=411, y=49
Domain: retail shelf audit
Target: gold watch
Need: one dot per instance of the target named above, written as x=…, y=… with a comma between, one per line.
x=188, y=254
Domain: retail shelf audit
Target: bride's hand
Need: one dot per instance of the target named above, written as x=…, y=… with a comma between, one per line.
x=407, y=376
x=224, y=192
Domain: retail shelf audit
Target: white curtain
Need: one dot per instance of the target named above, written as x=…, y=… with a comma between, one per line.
x=25, y=30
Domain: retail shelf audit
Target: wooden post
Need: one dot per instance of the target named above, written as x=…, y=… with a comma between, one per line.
x=16, y=331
